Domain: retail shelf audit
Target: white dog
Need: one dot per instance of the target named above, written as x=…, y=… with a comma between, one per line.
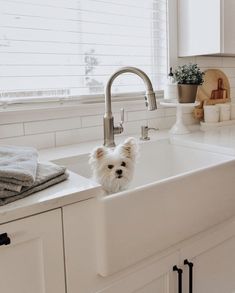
x=114, y=168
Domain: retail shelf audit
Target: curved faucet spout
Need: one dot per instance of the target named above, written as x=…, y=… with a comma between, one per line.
x=109, y=129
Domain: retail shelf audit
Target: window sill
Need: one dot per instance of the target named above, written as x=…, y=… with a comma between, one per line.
x=130, y=100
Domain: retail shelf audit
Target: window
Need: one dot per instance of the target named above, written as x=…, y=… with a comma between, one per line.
x=70, y=47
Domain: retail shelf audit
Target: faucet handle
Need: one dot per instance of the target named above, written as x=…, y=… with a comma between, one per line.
x=119, y=129
x=122, y=116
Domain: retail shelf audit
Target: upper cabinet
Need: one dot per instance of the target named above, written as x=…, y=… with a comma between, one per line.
x=206, y=27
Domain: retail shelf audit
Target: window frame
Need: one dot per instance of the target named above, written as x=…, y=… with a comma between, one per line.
x=25, y=104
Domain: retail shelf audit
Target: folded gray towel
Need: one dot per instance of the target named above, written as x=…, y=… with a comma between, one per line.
x=9, y=186
x=18, y=166
x=47, y=175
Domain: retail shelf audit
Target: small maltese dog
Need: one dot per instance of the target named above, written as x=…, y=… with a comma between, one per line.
x=114, y=168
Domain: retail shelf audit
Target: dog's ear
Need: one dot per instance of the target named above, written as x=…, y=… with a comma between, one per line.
x=129, y=148
x=97, y=154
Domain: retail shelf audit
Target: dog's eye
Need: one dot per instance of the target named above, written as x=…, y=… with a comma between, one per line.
x=110, y=166
x=123, y=164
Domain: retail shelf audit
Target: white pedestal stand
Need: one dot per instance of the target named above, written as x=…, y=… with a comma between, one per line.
x=178, y=127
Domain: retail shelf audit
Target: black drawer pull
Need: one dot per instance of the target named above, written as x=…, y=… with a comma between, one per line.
x=4, y=239
x=190, y=265
x=180, y=272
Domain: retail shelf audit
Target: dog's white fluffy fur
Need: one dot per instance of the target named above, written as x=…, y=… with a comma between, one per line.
x=114, y=168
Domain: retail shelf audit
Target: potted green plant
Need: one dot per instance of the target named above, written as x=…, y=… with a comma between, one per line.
x=188, y=78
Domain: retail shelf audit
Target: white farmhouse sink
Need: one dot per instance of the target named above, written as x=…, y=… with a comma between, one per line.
x=157, y=160
x=176, y=193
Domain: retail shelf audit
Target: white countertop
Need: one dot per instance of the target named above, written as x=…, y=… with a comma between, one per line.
x=78, y=188
x=221, y=140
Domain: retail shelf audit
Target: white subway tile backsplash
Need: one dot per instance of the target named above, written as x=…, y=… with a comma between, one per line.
x=162, y=123
x=232, y=82
x=78, y=135
x=230, y=72
x=89, y=121
x=91, y=133
x=133, y=127
x=136, y=115
x=186, y=60
x=39, y=141
x=232, y=92
x=52, y=125
x=36, y=115
x=145, y=114
x=11, y=130
x=209, y=61
x=67, y=137
x=228, y=62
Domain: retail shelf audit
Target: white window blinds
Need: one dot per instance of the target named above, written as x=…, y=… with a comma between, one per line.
x=70, y=47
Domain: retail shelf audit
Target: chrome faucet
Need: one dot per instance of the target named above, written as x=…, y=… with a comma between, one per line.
x=109, y=129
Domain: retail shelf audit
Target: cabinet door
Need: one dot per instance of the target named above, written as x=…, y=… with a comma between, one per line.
x=214, y=262
x=33, y=261
x=199, y=27
x=214, y=270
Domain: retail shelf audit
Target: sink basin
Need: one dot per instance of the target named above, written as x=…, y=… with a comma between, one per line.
x=176, y=192
x=158, y=160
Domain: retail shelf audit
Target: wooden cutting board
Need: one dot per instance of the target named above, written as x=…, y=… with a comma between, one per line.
x=211, y=83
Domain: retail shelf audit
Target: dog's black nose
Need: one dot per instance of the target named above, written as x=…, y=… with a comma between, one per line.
x=119, y=171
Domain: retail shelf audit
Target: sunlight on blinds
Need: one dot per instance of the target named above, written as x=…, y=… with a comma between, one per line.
x=70, y=47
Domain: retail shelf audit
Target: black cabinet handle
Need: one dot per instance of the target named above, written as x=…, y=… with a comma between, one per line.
x=4, y=239
x=180, y=272
x=190, y=266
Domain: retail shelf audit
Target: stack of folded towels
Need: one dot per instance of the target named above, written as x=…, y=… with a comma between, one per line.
x=22, y=175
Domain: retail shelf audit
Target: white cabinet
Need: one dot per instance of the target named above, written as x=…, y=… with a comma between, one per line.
x=160, y=286
x=148, y=276
x=33, y=261
x=214, y=270
x=206, y=27
x=212, y=253
x=213, y=261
